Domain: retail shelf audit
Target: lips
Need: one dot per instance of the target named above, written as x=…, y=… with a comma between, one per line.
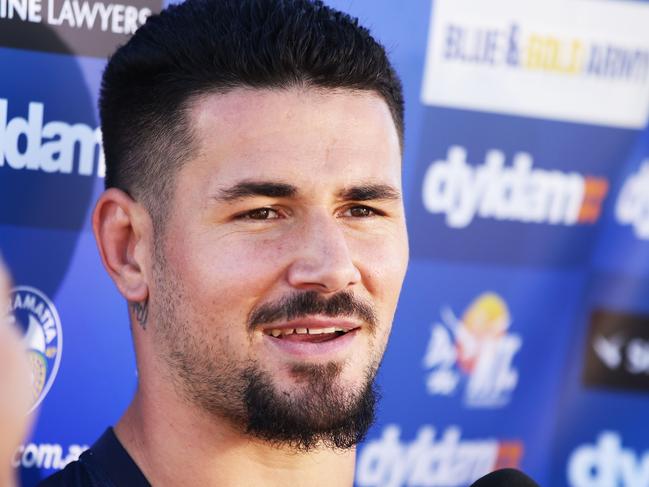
x=311, y=338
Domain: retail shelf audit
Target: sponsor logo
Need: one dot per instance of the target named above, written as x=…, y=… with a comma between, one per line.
x=87, y=27
x=52, y=147
x=632, y=207
x=475, y=352
x=617, y=351
x=447, y=461
x=43, y=338
x=46, y=455
x=112, y=17
x=513, y=48
x=606, y=463
x=533, y=59
x=518, y=193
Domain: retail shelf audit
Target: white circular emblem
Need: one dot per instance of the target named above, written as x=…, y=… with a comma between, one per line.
x=35, y=314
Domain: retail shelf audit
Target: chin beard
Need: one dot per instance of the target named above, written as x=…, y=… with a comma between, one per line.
x=321, y=415
x=319, y=411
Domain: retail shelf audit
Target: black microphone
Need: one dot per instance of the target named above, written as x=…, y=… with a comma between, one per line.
x=506, y=477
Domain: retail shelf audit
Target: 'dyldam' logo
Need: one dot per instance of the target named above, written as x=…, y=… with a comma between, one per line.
x=476, y=348
x=36, y=314
x=447, y=460
x=608, y=464
x=51, y=147
x=632, y=206
x=519, y=193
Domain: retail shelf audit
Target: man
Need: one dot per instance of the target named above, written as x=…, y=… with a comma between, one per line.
x=253, y=220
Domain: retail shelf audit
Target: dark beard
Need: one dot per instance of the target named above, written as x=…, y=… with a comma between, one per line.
x=322, y=416
x=319, y=413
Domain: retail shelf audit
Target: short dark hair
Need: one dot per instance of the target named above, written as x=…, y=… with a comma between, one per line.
x=213, y=46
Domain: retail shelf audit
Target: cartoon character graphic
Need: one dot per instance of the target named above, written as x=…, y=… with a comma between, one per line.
x=477, y=349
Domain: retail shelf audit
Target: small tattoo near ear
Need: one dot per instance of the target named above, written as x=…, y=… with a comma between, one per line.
x=141, y=311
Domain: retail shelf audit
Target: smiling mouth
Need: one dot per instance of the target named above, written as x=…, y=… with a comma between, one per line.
x=310, y=335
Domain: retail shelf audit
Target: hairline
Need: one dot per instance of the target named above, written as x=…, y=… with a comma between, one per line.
x=159, y=205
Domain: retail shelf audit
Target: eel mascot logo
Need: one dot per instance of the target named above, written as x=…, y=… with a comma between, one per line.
x=35, y=314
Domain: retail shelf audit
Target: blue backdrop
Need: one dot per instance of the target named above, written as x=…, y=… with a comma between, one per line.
x=522, y=334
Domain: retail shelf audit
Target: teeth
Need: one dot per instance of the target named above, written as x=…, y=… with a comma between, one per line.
x=284, y=331
x=320, y=331
x=276, y=332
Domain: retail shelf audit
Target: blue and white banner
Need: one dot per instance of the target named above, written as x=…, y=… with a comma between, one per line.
x=521, y=335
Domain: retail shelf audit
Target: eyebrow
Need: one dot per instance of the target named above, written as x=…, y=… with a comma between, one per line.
x=368, y=192
x=247, y=189
x=270, y=189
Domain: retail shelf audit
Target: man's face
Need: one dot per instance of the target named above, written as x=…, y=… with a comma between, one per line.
x=278, y=273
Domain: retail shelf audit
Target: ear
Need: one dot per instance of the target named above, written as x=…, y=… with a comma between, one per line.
x=124, y=232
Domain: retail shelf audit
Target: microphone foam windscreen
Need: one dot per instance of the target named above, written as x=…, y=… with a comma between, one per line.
x=507, y=477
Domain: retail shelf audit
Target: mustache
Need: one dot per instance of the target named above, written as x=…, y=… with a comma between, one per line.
x=342, y=304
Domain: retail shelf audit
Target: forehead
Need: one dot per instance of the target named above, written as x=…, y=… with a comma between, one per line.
x=298, y=134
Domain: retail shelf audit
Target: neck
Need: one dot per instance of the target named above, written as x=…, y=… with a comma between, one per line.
x=174, y=443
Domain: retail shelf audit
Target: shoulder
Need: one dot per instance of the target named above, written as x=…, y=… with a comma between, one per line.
x=74, y=475
x=105, y=464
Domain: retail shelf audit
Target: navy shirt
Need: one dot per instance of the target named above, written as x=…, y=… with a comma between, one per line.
x=105, y=464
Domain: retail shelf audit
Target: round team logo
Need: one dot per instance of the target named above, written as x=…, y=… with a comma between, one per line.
x=36, y=315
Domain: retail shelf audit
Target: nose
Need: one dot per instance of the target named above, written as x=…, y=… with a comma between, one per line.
x=323, y=259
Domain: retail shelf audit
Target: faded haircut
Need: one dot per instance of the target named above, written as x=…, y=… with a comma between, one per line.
x=201, y=47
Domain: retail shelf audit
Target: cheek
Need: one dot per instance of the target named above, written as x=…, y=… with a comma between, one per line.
x=383, y=265
x=229, y=270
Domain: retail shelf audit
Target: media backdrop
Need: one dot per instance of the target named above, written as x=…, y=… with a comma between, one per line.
x=522, y=334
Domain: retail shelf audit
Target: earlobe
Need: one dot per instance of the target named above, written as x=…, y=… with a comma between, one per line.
x=122, y=230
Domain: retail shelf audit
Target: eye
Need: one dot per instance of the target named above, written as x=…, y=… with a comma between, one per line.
x=260, y=214
x=361, y=211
